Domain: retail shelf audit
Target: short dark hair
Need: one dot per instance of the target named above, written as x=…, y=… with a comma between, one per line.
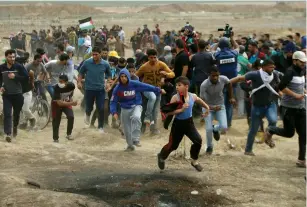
x=290, y=36
x=96, y=49
x=40, y=51
x=63, y=77
x=105, y=49
x=151, y=52
x=180, y=43
x=268, y=62
x=214, y=69
x=173, y=50
x=122, y=60
x=267, y=35
x=130, y=61
x=61, y=47
x=266, y=47
x=144, y=58
x=37, y=56
x=9, y=52
x=63, y=57
x=298, y=34
x=182, y=79
x=257, y=63
x=254, y=44
x=202, y=44
x=193, y=48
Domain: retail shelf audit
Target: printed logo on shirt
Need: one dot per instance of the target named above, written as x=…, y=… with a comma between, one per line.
x=226, y=61
x=66, y=96
x=129, y=93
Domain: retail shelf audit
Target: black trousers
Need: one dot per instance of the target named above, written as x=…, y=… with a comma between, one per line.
x=10, y=102
x=56, y=120
x=293, y=119
x=179, y=129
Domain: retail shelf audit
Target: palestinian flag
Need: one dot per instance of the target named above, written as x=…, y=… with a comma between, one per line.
x=86, y=24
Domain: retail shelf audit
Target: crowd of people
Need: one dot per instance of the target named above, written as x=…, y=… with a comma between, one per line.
x=178, y=75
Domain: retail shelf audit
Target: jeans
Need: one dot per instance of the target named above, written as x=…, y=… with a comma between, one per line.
x=153, y=107
x=257, y=113
x=220, y=116
x=98, y=97
x=9, y=102
x=228, y=105
x=50, y=90
x=293, y=119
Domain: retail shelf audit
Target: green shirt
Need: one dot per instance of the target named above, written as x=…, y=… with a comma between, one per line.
x=242, y=65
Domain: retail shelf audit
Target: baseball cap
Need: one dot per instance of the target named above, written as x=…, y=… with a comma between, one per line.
x=289, y=47
x=167, y=48
x=299, y=55
x=113, y=54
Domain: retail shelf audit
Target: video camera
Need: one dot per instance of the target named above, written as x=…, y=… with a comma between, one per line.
x=227, y=31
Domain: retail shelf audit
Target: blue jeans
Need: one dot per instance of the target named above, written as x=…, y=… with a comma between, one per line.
x=98, y=97
x=50, y=90
x=257, y=114
x=220, y=116
x=153, y=107
x=228, y=105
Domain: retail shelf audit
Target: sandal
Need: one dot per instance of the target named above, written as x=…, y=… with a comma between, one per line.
x=268, y=139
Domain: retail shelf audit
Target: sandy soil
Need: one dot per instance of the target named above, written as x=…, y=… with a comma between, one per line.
x=94, y=170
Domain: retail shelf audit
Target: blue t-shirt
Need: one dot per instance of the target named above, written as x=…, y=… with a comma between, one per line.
x=95, y=74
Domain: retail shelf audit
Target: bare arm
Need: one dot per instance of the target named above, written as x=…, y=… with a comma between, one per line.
x=185, y=70
x=237, y=79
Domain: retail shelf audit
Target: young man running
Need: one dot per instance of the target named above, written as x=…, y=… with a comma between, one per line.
x=62, y=102
x=126, y=93
x=211, y=91
x=263, y=96
x=183, y=124
x=293, y=105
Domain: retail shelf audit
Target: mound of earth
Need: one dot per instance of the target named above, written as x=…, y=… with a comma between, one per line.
x=173, y=8
x=45, y=10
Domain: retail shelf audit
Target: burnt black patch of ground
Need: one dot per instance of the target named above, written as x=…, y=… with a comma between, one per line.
x=129, y=190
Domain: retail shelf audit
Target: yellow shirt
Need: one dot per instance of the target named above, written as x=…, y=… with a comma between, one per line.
x=151, y=73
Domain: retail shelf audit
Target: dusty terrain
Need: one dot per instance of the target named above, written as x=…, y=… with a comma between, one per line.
x=94, y=170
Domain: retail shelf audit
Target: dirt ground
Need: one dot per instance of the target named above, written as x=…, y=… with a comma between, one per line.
x=93, y=170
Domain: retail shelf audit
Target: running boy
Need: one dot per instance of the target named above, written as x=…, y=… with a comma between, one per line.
x=183, y=124
x=62, y=102
x=126, y=94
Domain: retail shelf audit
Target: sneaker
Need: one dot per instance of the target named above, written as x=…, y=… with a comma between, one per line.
x=209, y=150
x=130, y=149
x=56, y=141
x=101, y=131
x=87, y=120
x=137, y=144
x=216, y=134
x=147, y=121
x=197, y=166
x=301, y=163
x=155, y=132
x=14, y=132
x=268, y=139
x=69, y=137
x=249, y=153
x=8, y=138
x=161, y=162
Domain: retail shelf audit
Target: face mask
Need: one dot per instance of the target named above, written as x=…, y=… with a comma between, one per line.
x=61, y=85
